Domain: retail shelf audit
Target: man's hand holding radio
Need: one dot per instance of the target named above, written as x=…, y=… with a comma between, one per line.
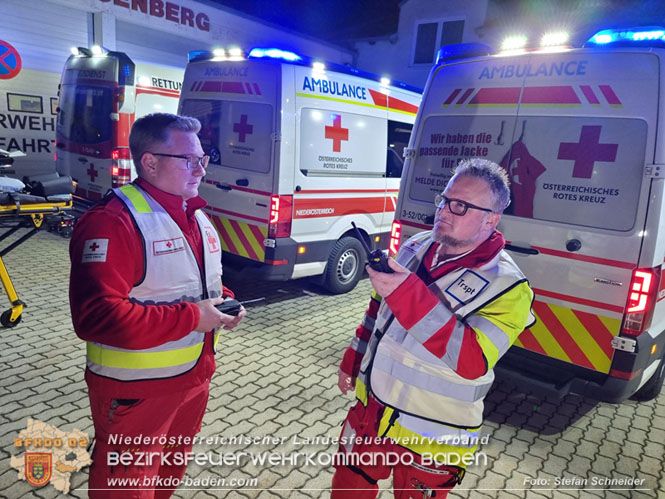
x=383, y=283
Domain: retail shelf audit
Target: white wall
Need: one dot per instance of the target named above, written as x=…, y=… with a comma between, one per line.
x=393, y=56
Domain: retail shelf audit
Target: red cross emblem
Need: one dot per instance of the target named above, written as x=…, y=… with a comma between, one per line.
x=587, y=151
x=94, y=246
x=243, y=128
x=92, y=172
x=337, y=133
x=168, y=244
x=212, y=241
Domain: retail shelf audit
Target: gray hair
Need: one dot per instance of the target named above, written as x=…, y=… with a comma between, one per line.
x=154, y=129
x=495, y=176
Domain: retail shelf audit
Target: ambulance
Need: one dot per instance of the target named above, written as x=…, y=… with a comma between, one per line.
x=580, y=135
x=101, y=94
x=299, y=149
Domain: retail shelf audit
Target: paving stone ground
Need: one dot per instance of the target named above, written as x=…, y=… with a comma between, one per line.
x=276, y=379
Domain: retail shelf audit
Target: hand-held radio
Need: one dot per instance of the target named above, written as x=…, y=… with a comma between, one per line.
x=231, y=306
x=376, y=259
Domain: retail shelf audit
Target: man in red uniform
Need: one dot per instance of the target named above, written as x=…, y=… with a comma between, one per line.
x=145, y=279
x=422, y=359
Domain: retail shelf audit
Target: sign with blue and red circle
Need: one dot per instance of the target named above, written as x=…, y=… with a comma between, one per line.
x=10, y=61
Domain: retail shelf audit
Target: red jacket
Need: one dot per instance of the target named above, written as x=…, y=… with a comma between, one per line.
x=99, y=293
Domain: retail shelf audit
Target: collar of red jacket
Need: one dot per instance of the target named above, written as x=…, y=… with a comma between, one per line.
x=475, y=258
x=172, y=203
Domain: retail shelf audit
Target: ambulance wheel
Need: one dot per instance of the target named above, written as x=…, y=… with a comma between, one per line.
x=652, y=388
x=6, y=319
x=345, y=265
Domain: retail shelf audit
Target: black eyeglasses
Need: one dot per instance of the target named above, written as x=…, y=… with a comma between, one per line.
x=192, y=161
x=456, y=206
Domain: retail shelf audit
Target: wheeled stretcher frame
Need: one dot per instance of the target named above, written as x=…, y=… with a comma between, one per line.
x=18, y=211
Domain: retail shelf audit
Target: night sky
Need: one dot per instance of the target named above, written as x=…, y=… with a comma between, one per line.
x=332, y=20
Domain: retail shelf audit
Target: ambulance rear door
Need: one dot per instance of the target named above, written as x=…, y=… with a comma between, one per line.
x=237, y=104
x=585, y=130
x=461, y=116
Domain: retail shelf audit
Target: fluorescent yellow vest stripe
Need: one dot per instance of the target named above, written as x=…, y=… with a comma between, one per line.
x=143, y=360
x=137, y=199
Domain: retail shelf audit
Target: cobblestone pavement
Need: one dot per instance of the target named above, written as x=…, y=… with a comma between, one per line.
x=277, y=378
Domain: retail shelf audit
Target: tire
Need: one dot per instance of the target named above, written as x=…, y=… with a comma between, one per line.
x=651, y=388
x=5, y=319
x=345, y=266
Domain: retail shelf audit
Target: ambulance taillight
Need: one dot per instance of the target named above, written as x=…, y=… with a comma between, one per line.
x=395, y=233
x=121, y=168
x=642, y=296
x=279, y=223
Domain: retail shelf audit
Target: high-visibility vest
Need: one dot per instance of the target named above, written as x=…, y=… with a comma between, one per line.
x=171, y=276
x=423, y=393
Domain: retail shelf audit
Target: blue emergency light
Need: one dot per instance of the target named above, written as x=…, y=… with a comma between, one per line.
x=275, y=54
x=642, y=36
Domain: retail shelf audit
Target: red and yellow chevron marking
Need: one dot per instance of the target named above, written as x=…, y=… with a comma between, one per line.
x=241, y=238
x=571, y=335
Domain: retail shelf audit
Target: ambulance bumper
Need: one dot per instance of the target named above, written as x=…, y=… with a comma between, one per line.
x=531, y=371
x=280, y=261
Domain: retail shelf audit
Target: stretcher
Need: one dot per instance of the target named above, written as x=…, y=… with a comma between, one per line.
x=18, y=211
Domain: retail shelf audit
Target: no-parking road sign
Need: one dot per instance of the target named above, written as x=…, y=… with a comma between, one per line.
x=10, y=61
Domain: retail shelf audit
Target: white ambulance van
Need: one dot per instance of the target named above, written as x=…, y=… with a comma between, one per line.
x=299, y=149
x=101, y=94
x=580, y=134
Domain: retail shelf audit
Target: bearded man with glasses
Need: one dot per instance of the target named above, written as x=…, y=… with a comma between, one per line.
x=145, y=278
x=422, y=359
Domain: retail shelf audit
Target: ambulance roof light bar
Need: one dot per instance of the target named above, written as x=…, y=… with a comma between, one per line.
x=78, y=51
x=292, y=58
x=462, y=51
x=514, y=43
x=639, y=36
x=275, y=53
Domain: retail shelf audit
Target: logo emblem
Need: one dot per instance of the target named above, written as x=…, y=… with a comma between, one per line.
x=37, y=468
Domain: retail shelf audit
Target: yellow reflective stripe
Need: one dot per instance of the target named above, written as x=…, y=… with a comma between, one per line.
x=547, y=341
x=441, y=452
x=510, y=314
x=137, y=199
x=256, y=246
x=586, y=342
x=490, y=350
x=230, y=232
x=612, y=325
x=361, y=391
x=216, y=339
x=142, y=360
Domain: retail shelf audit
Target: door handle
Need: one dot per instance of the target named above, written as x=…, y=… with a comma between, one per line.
x=224, y=187
x=521, y=249
x=242, y=182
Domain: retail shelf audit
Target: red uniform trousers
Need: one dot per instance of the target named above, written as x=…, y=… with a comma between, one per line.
x=174, y=415
x=409, y=480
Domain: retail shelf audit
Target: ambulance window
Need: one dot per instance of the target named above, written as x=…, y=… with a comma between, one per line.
x=398, y=139
x=333, y=143
x=234, y=134
x=576, y=171
x=579, y=171
x=24, y=103
x=84, y=115
x=54, y=105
